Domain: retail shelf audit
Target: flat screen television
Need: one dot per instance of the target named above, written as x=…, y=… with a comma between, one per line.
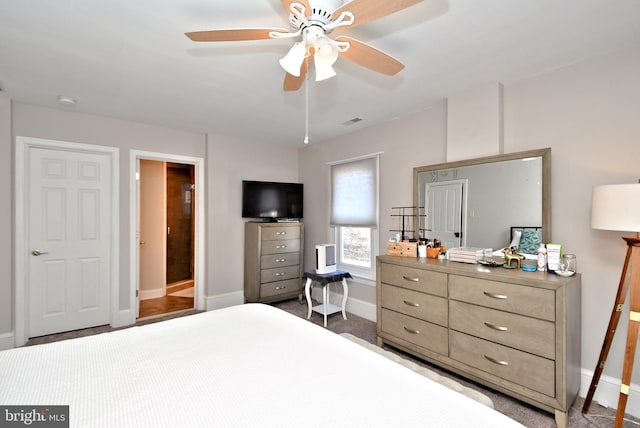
x=272, y=200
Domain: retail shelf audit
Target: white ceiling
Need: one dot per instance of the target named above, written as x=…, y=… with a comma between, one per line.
x=131, y=60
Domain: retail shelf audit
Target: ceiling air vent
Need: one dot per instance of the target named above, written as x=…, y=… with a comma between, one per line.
x=352, y=121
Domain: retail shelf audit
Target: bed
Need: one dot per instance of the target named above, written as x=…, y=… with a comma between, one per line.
x=250, y=365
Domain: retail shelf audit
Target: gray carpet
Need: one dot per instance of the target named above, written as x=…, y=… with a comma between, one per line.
x=521, y=412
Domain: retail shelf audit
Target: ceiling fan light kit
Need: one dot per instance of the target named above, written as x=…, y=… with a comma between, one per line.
x=292, y=61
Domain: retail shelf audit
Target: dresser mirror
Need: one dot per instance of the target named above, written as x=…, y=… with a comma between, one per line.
x=477, y=202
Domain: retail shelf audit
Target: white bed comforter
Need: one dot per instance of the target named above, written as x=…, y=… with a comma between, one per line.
x=245, y=366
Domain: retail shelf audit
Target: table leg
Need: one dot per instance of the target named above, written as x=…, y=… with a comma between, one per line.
x=325, y=297
x=345, y=291
x=307, y=293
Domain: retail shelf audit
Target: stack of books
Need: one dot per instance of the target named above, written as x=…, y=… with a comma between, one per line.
x=466, y=254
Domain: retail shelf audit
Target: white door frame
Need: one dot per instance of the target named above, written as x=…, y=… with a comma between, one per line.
x=22, y=146
x=199, y=233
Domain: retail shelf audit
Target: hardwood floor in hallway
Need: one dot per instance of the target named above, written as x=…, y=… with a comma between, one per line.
x=167, y=304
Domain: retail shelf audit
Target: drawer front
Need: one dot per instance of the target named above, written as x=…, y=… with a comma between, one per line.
x=520, y=299
x=280, y=233
x=421, y=333
x=280, y=287
x=530, y=371
x=280, y=247
x=277, y=260
x=280, y=274
x=418, y=305
x=415, y=279
x=527, y=334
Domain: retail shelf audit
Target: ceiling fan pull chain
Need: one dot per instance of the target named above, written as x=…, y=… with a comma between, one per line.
x=306, y=110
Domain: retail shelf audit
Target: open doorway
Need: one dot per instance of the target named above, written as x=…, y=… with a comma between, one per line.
x=168, y=219
x=166, y=225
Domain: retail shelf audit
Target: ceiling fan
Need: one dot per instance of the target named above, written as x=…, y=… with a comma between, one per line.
x=312, y=21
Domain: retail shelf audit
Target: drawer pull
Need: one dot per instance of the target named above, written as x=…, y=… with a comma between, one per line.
x=415, y=305
x=495, y=296
x=281, y=233
x=496, y=327
x=281, y=273
x=410, y=279
x=281, y=246
x=281, y=260
x=412, y=331
x=281, y=287
x=495, y=361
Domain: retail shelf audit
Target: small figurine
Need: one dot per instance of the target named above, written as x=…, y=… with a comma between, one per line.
x=510, y=254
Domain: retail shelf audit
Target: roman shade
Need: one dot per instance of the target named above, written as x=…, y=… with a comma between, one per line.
x=354, y=192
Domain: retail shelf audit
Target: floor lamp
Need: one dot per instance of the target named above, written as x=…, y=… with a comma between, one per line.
x=617, y=207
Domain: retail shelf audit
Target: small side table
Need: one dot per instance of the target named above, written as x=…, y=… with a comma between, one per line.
x=325, y=279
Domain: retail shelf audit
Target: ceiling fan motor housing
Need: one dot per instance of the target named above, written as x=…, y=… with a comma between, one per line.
x=321, y=14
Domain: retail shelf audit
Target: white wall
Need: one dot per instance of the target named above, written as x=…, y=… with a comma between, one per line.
x=73, y=127
x=407, y=142
x=229, y=161
x=6, y=224
x=588, y=113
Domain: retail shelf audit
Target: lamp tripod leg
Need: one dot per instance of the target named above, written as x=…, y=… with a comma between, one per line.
x=611, y=329
x=632, y=338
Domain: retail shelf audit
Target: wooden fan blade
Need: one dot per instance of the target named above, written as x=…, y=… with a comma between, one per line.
x=370, y=10
x=233, y=35
x=370, y=57
x=305, y=3
x=293, y=83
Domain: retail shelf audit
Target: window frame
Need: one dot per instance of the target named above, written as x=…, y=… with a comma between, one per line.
x=356, y=270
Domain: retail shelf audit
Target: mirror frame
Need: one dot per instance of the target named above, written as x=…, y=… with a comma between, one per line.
x=546, y=179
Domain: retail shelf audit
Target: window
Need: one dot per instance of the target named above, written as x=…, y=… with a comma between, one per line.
x=354, y=214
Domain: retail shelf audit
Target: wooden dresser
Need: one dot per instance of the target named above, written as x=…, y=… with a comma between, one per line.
x=516, y=332
x=272, y=261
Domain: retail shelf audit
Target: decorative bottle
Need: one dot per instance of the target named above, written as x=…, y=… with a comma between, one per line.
x=542, y=258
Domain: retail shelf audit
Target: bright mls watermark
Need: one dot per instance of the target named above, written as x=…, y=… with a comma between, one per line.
x=34, y=416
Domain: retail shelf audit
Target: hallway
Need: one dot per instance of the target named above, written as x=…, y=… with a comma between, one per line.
x=168, y=303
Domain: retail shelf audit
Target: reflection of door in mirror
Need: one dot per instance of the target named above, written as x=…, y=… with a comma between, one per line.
x=500, y=192
x=444, y=208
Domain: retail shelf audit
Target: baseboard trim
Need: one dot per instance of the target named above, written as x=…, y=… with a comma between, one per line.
x=152, y=294
x=7, y=341
x=366, y=310
x=224, y=300
x=608, y=392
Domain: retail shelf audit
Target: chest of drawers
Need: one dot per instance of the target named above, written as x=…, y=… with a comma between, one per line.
x=516, y=332
x=272, y=261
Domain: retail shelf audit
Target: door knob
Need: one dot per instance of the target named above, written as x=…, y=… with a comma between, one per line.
x=38, y=252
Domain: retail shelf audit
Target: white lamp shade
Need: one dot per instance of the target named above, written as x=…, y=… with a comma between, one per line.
x=326, y=54
x=616, y=207
x=292, y=61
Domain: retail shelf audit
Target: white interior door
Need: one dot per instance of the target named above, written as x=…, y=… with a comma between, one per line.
x=444, y=212
x=69, y=233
